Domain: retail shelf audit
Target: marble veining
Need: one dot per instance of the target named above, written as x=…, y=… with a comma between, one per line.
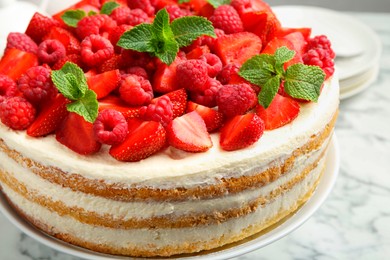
x=353, y=223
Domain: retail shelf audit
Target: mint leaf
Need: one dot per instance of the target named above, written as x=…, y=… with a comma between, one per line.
x=304, y=82
x=139, y=38
x=258, y=69
x=187, y=29
x=183, y=1
x=282, y=55
x=216, y=3
x=72, y=17
x=269, y=90
x=87, y=106
x=108, y=7
x=70, y=80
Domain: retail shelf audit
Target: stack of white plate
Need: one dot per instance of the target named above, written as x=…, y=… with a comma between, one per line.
x=357, y=46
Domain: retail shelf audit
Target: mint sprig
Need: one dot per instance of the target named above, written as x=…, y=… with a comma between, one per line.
x=72, y=17
x=217, y=3
x=267, y=71
x=163, y=39
x=72, y=83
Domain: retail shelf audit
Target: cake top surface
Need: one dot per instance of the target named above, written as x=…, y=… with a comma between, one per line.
x=107, y=82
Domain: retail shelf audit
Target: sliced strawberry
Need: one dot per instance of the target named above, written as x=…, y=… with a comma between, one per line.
x=241, y=131
x=280, y=112
x=164, y=79
x=104, y=83
x=113, y=102
x=39, y=26
x=305, y=31
x=179, y=101
x=70, y=42
x=237, y=47
x=15, y=62
x=50, y=117
x=78, y=135
x=243, y=7
x=212, y=118
x=298, y=40
x=144, y=139
x=276, y=43
x=197, y=52
x=189, y=133
x=85, y=5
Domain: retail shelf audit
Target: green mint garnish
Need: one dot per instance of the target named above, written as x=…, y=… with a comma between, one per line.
x=72, y=17
x=183, y=1
x=217, y=3
x=163, y=39
x=108, y=7
x=72, y=83
x=267, y=71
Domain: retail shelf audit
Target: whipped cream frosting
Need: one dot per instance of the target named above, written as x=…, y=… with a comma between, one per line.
x=166, y=168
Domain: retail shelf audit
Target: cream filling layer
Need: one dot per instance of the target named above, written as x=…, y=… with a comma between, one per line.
x=38, y=186
x=167, y=168
x=120, y=238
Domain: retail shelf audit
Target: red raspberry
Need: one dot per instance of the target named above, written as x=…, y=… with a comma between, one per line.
x=137, y=16
x=210, y=41
x=22, y=42
x=139, y=71
x=51, y=51
x=161, y=111
x=227, y=72
x=8, y=87
x=322, y=42
x=226, y=18
x=121, y=15
x=175, y=11
x=75, y=58
x=36, y=84
x=110, y=127
x=136, y=90
x=100, y=24
x=321, y=58
x=95, y=50
x=39, y=26
x=145, y=5
x=214, y=64
x=208, y=96
x=192, y=75
x=17, y=113
x=135, y=58
x=235, y=99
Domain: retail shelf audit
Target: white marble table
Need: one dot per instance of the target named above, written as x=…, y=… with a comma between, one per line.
x=353, y=223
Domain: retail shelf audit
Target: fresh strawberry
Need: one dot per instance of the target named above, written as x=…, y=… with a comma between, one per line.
x=280, y=112
x=189, y=133
x=78, y=135
x=197, y=52
x=276, y=43
x=298, y=40
x=39, y=26
x=283, y=31
x=144, y=139
x=85, y=5
x=246, y=6
x=115, y=103
x=70, y=42
x=15, y=62
x=212, y=118
x=164, y=79
x=241, y=131
x=179, y=101
x=237, y=47
x=50, y=117
x=104, y=83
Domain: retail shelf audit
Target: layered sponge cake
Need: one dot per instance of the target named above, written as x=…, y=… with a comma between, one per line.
x=178, y=153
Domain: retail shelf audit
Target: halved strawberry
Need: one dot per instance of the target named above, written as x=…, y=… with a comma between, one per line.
x=164, y=79
x=212, y=118
x=189, y=133
x=179, y=101
x=70, y=42
x=15, y=62
x=104, y=83
x=144, y=139
x=241, y=131
x=78, y=135
x=113, y=102
x=298, y=40
x=197, y=52
x=237, y=47
x=280, y=112
x=50, y=117
x=39, y=26
x=305, y=31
